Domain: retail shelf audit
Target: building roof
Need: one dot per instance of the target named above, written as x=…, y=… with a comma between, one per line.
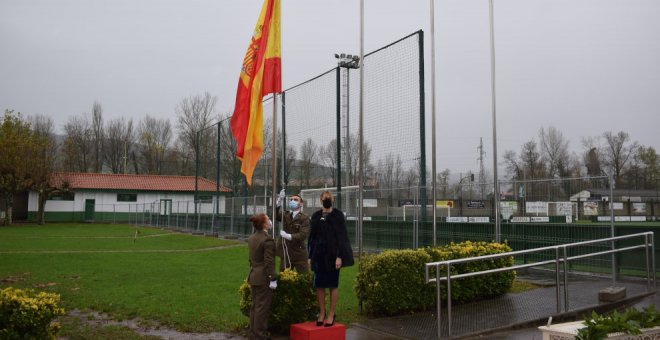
x=77, y=180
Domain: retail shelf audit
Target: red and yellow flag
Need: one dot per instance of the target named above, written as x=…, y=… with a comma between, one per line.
x=261, y=74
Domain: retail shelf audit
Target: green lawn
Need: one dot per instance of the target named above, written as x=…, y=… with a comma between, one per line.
x=180, y=281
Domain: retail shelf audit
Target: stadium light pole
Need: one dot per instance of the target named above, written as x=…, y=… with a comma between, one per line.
x=348, y=62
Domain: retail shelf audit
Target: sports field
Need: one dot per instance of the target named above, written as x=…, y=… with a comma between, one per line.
x=185, y=282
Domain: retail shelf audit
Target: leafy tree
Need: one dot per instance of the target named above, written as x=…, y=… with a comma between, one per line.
x=41, y=175
x=20, y=158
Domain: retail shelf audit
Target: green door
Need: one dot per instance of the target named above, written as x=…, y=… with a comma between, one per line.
x=89, y=210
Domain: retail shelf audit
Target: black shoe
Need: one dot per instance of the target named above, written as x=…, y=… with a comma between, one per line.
x=334, y=317
x=319, y=323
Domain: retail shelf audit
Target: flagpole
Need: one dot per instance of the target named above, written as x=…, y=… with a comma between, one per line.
x=496, y=188
x=361, y=144
x=433, y=147
x=274, y=161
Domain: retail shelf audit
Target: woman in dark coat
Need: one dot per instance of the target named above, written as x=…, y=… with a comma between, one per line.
x=329, y=249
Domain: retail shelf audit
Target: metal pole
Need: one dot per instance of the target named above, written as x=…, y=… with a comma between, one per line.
x=361, y=143
x=438, y=306
x=449, y=299
x=274, y=159
x=433, y=146
x=338, y=109
x=422, y=130
x=196, y=168
x=217, y=172
x=496, y=194
x=612, y=232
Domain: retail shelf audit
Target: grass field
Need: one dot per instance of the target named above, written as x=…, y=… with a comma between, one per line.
x=185, y=282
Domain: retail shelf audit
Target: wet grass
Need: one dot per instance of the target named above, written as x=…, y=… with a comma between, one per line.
x=143, y=278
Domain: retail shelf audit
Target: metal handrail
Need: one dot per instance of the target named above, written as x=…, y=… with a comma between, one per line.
x=648, y=245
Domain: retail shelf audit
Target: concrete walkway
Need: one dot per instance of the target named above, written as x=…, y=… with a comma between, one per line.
x=512, y=316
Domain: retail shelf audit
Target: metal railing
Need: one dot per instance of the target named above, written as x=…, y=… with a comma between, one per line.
x=561, y=256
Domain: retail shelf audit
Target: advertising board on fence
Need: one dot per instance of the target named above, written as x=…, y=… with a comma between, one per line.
x=617, y=205
x=564, y=208
x=536, y=207
x=478, y=219
x=475, y=204
x=639, y=208
x=444, y=204
x=537, y=219
x=590, y=208
x=520, y=219
x=457, y=219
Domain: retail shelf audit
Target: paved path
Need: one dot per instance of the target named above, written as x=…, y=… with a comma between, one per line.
x=516, y=315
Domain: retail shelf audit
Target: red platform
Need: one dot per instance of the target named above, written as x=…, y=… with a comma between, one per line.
x=310, y=331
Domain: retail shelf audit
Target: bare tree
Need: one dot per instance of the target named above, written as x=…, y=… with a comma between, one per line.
x=442, y=182
x=617, y=152
x=97, y=128
x=194, y=117
x=119, y=142
x=328, y=155
x=78, y=144
x=308, y=155
x=554, y=149
x=154, y=137
x=592, y=156
x=644, y=170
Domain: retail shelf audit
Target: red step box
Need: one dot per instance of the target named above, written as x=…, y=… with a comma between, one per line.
x=310, y=331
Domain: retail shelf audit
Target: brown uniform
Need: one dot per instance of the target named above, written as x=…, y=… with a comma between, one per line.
x=262, y=271
x=298, y=227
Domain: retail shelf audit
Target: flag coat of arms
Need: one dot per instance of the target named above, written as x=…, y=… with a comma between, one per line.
x=260, y=75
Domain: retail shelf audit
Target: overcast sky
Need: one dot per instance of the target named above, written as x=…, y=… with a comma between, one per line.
x=582, y=66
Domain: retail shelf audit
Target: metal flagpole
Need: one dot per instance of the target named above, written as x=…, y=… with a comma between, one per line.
x=361, y=137
x=274, y=160
x=496, y=193
x=433, y=147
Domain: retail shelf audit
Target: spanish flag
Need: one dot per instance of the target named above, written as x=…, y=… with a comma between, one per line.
x=261, y=74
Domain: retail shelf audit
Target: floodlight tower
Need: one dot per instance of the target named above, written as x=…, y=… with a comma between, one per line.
x=348, y=62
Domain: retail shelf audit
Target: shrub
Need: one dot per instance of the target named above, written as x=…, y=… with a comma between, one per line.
x=294, y=300
x=631, y=321
x=393, y=281
x=25, y=314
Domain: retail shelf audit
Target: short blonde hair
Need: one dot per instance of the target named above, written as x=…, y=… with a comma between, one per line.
x=326, y=194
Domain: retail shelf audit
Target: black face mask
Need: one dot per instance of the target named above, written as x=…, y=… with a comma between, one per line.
x=327, y=203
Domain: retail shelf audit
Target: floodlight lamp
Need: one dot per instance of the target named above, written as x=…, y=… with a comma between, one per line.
x=343, y=55
x=336, y=55
x=356, y=58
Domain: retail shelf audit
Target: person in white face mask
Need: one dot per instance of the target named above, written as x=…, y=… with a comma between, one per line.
x=291, y=248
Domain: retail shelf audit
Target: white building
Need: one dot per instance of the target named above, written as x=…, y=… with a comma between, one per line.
x=95, y=197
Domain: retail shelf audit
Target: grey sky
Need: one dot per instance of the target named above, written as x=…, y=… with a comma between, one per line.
x=583, y=66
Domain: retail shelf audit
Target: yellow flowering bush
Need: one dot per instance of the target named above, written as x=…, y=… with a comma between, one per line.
x=393, y=281
x=294, y=300
x=25, y=314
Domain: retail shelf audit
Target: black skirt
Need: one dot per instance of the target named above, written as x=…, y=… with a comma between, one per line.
x=325, y=277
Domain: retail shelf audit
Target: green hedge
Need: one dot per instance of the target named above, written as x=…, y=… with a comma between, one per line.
x=25, y=314
x=294, y=300
x=393, y=281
